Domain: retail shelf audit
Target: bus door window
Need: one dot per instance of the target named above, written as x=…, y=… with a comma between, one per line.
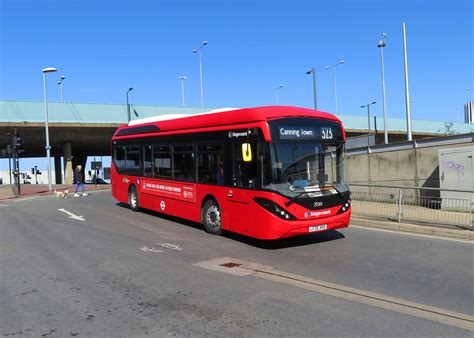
x=211, y=164
x=147, y=161
x=162, y=162
x=183, y=163
x=244, y=173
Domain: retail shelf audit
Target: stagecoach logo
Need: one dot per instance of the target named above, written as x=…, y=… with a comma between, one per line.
x=185, y=194
x=309, y=214
x=162, y=205
x=238, y=133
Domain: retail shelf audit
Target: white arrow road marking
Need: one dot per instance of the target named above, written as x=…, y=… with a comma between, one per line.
x=150, y=249
x=71, y=215
x=170, y=246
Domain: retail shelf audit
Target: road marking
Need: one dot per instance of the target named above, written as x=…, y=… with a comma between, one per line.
x=239, y=267
x=150, y=249
x=398, y=232
x=170, y=246
x=71, y=215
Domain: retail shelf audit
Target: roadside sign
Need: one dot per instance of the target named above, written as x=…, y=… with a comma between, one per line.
x=96, y=165
x=106, y=173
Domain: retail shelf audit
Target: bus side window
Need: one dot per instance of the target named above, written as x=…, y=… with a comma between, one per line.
x=162, y=162
x=120, y=158
x=147, y=161
x=183, y=163
x=210, y=164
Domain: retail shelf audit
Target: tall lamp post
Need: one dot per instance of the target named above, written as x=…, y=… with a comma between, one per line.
x=407, y=88
x=198, y=51
x=333, y=67
x=315, y=98
x=47, y=147
x=381, y=45
x=128, y=104
x=368, y=120
x=60, y=84
x=182, y=78
x=277, y=93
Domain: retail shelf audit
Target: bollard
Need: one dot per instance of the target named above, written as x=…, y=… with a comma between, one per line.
x=399, y=205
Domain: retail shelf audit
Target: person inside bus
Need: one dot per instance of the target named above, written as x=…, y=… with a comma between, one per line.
x=220, y=173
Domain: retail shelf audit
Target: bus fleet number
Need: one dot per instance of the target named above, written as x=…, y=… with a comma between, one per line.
x=326, y=133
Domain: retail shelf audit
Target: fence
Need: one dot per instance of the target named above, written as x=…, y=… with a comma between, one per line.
x=437, y=206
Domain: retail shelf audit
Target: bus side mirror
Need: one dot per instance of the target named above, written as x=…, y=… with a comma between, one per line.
x=246, y=152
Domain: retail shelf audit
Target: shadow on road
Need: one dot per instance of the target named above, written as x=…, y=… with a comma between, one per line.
x=276, y=244
x=310, y=239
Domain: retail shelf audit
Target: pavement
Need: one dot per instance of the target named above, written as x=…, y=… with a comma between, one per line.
x=8, y=191
x=90, y=266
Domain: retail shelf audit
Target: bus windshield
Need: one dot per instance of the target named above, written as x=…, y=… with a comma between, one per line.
x=305, y=166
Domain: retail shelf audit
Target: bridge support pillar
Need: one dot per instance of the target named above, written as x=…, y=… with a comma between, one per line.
x=67, y=155
x=57, y=169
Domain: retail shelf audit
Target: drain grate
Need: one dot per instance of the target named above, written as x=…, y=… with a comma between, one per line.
x=231, y=265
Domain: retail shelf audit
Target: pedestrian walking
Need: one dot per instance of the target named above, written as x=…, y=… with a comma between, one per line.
x=79, y=180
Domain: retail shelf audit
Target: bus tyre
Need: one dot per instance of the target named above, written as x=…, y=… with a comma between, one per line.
x=133, y=198
x=211, y=218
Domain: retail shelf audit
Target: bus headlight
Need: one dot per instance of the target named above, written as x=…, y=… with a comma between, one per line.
x=274, y=208
x=345, y=207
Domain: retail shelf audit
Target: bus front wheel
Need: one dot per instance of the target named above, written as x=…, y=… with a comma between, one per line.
x=133, y=198
x=212, y=218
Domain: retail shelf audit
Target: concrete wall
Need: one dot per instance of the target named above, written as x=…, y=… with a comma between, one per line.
x=411, y=168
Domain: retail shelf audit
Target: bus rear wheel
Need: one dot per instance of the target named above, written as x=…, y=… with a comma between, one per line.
x=133, y=198
x=212, y=218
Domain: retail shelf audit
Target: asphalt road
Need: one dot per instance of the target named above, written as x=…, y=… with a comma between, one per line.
x=119, y=273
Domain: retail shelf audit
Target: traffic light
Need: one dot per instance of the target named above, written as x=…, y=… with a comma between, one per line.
x=35, y=171
x=18, y=142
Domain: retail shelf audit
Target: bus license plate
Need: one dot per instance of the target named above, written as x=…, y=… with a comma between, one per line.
x=318, y=227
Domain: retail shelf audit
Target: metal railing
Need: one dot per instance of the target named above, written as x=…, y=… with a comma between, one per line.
x=443, y=207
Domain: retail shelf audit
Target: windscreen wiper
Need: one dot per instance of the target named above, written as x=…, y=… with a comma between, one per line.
x=293, y=199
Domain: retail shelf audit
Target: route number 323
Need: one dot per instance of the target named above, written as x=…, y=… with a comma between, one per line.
x=326, y=133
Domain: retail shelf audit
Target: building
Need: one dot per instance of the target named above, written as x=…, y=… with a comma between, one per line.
x=469, y=112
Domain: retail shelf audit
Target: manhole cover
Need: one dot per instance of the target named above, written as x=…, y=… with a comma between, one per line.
x=231, y=265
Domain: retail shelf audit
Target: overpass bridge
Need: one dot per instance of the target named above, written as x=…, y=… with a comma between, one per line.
x=78, y=130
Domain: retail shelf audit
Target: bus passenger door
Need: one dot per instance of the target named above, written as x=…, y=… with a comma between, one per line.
x=244, y=175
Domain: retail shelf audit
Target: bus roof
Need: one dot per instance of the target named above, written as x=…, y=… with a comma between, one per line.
x=219, y=117
x=166, y=117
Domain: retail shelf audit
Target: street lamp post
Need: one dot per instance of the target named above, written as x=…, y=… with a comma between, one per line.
x=315, y=98
x=407, y=89
x=368, y=120
x=47, y=147
x=128, y=104
x=277, y=93
x=182, y=78
x=60, y=83
x=335, y=80
x=198, y=51
x=381, y=45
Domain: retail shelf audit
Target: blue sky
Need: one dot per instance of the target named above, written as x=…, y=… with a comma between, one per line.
x=104, y=47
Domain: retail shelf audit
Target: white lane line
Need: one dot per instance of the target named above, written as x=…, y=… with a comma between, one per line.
x=71, y=215
x=413, y=234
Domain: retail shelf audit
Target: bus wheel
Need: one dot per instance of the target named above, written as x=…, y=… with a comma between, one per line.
x=212, y=218
x=133, y=198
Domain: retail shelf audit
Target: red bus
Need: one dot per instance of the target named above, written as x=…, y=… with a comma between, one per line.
x=266, y=172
